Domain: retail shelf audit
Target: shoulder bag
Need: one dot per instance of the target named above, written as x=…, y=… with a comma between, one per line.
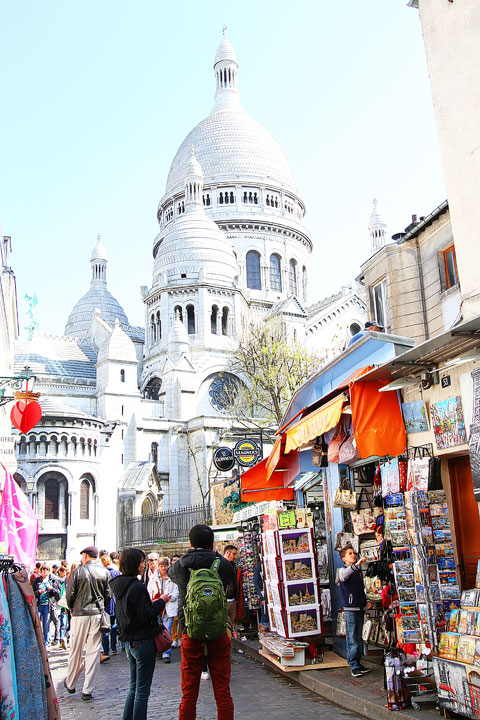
x=335, y=442
x=105, y=625
x=344, y=538
x=347, y=452
x=162, y=641
x=320, y=453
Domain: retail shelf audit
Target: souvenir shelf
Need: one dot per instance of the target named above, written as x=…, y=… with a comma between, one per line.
x=457, y=668
x=248, y=554
x=292, y=587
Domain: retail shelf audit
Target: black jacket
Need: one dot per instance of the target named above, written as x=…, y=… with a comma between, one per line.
x=194, y=560
x=79, y=593
x=137, y=616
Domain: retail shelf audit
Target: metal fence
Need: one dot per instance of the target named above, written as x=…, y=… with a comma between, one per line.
x=166, y=526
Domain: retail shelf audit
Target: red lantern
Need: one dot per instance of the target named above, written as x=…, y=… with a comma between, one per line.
x=25, y=415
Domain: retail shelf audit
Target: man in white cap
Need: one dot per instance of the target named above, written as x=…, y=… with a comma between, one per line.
x=87, y=594
x=151, y=577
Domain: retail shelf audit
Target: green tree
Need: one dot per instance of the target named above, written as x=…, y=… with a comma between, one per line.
x=271, y=366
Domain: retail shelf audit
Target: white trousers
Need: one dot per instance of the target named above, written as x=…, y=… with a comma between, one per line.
x=84, y=633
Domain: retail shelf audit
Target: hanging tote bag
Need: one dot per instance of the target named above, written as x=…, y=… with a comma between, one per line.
x=345, y=499
x=335, y=442
x=348, y=453
x=365, y=520
x=344, y=538
x=320, y=453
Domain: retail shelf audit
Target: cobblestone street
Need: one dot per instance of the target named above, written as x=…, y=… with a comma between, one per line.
x=257, y=693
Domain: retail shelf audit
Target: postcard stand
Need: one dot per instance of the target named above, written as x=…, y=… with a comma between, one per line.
x=423, y=569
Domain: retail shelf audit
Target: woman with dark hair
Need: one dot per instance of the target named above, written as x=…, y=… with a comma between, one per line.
x=137, y=620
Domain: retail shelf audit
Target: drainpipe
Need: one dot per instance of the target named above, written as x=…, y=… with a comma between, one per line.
x=422, y=289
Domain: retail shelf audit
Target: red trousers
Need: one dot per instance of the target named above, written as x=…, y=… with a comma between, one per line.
x=219, y=665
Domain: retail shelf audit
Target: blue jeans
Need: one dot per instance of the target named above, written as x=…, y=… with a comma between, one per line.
x=110, y=637
x=141, y=656
x=168, y=622
x=63, y=624
x=44, y=613
x=354, y=625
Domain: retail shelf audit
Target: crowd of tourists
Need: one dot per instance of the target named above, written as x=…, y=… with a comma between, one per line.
x=143, y=606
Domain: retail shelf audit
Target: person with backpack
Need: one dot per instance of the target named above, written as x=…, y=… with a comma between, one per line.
x=202, y=576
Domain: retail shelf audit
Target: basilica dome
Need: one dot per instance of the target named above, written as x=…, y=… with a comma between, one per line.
x=194, y=246
x=98, y=296
x=229, y=144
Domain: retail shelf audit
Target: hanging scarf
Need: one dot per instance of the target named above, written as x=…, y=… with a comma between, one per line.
x=32, y=695
x=8, y=680
x=20, y=577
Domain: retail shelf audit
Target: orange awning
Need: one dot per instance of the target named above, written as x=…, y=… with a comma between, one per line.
x=377, y=420
x=255, y=487
x=273, y=458
x=316, y=423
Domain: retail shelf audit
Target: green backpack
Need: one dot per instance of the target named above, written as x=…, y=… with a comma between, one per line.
x=205, y=609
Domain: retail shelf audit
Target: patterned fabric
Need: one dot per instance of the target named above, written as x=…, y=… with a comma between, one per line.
x=8, y=680
x=32, y=695
x=20, y=577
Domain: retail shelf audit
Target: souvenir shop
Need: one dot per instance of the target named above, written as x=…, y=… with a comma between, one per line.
x=26, y=687
x=396, y=475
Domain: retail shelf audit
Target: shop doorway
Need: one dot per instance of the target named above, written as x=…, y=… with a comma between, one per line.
x=467, y=519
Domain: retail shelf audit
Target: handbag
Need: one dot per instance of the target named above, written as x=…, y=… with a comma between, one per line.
x=373, y=588
x=370, y=549
x=341, y=629
x=163, y=641
x=365, y=474
x=347, y=452
x=364, y=521
x=344, y=538
x=105, y=625
x=62, y=603
x=335, y=442
x=345, y=499
x=320, y=453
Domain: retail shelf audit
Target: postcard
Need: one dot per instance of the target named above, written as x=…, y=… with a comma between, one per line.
x=439, y=509
x=466, y=649
x=442, y=536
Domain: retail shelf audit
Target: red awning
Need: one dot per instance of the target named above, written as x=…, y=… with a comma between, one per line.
x=255, y=487
x=377, y=420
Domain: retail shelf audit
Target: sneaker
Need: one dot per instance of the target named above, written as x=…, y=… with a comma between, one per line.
x=205, y=675
x=364, y=670
x=166, y=659
x=356, y=673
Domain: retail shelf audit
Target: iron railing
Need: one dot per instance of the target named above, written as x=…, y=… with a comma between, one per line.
x=165, y=527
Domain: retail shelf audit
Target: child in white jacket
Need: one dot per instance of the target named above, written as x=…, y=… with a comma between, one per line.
x=170, y=589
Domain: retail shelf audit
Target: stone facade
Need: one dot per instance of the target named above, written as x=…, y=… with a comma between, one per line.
x=409, y=277
x=8, y=335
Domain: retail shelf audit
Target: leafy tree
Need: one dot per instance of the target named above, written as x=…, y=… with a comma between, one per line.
x=271, y=366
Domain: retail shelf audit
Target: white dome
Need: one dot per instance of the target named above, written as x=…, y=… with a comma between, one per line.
x=231, y=145
x=99, y=252
x=376, y=218
x=196, y=246
x=81, y=317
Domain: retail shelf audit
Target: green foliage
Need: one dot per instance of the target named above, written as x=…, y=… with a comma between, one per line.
x=272, y=366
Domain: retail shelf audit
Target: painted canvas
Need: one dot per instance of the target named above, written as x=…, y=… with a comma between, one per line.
x=415, y=416
x=448, y=423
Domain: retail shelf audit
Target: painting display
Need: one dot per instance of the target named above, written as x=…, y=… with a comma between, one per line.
x=448, y=423
x=415, y=416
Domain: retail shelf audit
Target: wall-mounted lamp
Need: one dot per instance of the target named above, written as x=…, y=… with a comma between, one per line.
x=400, y=383
x=471, y=356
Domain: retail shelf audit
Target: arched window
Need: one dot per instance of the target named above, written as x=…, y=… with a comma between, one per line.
x=84, y=500
x=147, y=508
x=214, y=320
x=154, y=449
x=304, y=283
x=232, y=198
x=225, y=315
x=122, y=375
x=152, y=389
x=153, y=329
x=220, y=199
x=275, y=272
x=255, y=198
x=51, y=500
x=293, y=277
x=159, y=326
x=190, y=320
x=254, y=281
x=178, y=312
x=245, y=197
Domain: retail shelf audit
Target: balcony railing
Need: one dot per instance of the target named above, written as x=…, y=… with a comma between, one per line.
x=164, y=527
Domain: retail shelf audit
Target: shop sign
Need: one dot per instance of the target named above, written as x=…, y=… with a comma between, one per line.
x=247, y=453
x=287, y=519
x=7, y=453
x=446, y=381
x=223, y=459
x=230, y=534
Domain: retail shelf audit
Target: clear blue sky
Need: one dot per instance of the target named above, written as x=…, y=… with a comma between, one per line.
x=96, y=97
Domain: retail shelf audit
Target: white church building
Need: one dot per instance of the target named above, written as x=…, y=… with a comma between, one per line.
x=130, y=416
